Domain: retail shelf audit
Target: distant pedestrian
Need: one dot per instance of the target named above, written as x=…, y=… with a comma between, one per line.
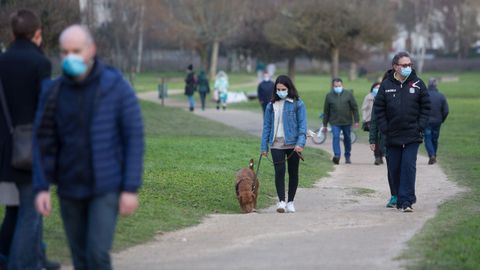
x=190, y=87
x=221, y=88
x=402, y=108
x=367, y=107
x=89, y=140
x=284, y=132
x=23, y=68
x=265, y=91
x=341, y=111
x=203, y=87
x=438, y=115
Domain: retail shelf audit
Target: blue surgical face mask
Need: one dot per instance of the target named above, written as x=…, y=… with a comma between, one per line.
x=405, y=71
x=282, y=94
x=73, y=65
x=338, y=89
x=375, y=91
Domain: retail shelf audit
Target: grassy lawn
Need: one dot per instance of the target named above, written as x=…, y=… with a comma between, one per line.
x=190, y=167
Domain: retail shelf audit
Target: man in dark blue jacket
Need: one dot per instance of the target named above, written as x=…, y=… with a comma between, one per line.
x=89, y=140
x=438, y=115
x=402, y=108
x=265, y=91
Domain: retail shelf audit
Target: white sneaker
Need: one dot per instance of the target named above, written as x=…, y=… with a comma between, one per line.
x=281, y=207
x=290, y=207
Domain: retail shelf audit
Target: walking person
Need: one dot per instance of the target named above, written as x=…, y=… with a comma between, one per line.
x=402, y=108
x=221, y=88
x=190, y=87
x=265, y=91
x=96, y=154
x=367, y=108
x=438, y=115
x=23, y=68
x=203, y=87
x=284, y=132
x=340, y=110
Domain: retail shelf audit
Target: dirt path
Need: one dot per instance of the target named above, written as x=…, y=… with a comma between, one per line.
x=341, y=223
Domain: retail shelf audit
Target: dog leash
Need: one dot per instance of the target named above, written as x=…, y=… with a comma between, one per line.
x=289, y=156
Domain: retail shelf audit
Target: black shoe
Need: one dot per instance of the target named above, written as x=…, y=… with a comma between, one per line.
x=378, y=161
x=432, y=160
x=51, y=265
x=336, y=160
x=348, y=161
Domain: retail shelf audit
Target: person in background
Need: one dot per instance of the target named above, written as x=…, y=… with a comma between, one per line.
x=284, y=132
x=203, y=87
x=23, y=68
x=341, y=111
x=190, y=87
x=438, y=115
x=367, y=107
x=265, y=91
x=221, y=88
x=402, y=108
x=88, y=139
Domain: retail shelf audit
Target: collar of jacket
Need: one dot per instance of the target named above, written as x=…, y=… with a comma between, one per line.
x=22, y=43
x=289, y=100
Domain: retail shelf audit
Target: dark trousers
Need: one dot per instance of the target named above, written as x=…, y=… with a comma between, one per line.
x=431, y=135
x=203, y=96
x=25, y=250
x=402, y=168
x=90, y=227
x=392, y=182
x=7, y=230
x=279, y=156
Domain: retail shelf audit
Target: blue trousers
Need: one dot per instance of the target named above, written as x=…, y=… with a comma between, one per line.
x=90, y=228
x=402, y=169
x=347, y=142
x=191, y=101
x=26, y=249
x=431, y=135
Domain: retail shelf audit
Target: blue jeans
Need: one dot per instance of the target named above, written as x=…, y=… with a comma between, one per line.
x=402, y=169
x=26, y=251
x=347, y=142
x=431, y=135
x=90, y=227
x=191, y=101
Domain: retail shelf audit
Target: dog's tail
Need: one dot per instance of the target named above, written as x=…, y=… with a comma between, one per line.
x=250, y=165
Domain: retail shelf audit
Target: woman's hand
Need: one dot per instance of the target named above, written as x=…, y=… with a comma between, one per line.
x=372, y=147
x=298, y=149
x=264, y=154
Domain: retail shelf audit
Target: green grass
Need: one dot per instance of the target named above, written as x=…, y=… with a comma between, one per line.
x=190, y=166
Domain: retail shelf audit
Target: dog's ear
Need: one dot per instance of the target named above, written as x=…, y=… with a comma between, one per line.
x=252, y=162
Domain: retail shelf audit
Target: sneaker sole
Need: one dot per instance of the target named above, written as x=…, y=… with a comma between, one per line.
x=407, y=210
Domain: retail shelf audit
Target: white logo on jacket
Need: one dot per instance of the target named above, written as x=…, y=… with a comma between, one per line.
x=390, y=90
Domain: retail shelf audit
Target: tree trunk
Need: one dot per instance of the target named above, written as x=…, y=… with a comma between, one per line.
x=335, y=54
x=214, y=59
x=140, y=38
x=352, y=75
x=203, y=53
x=291, y=67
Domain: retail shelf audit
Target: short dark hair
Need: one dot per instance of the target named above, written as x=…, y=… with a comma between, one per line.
x=399, y=55
x=334, y=80
x=24, y=23
x=292, y=91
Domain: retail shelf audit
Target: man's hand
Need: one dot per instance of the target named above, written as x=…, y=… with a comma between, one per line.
x=128, y=203
x=356, y=125
x=324, y=129
x=43, y=203
x=372, y=147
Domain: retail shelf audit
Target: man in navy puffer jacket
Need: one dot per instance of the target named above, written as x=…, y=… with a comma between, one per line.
x=89, y=140
x=402, y=108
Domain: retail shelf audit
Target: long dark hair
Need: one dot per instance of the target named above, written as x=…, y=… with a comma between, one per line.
x=292, y=91
x=373, y=86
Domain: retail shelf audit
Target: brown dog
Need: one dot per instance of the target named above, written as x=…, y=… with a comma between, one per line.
x=247, y=188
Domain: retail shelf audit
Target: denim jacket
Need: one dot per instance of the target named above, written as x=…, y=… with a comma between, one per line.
x=294, y=124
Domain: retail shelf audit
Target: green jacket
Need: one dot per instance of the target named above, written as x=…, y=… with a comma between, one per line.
x=339, y=109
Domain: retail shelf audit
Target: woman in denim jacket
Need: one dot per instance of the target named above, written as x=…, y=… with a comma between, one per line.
x=284, y=131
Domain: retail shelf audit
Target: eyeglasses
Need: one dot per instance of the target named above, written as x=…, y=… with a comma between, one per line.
x=282, y=89
x=406, y=65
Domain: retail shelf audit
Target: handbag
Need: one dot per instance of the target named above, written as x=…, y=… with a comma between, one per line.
x=21, y=139
x=366, y=126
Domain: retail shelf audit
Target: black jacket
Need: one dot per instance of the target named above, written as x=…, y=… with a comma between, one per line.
x=22, y=69
x=439, y=105
x=402, y=109
x=190, y=84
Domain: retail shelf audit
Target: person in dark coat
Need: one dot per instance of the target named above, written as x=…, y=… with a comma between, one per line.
x=438, y=115
x=402, y=108
x=23, y=68
x=96, y=154
x=190, y=87
x=203, y=87
x=265, y=91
